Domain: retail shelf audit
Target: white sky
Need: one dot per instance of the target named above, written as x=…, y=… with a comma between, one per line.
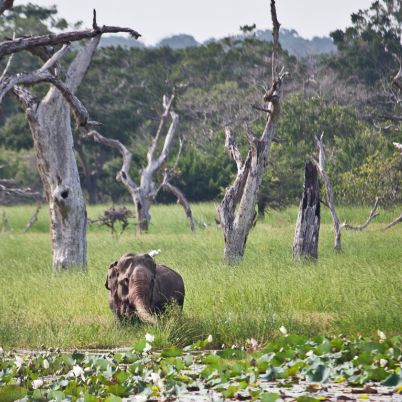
x=156, y=19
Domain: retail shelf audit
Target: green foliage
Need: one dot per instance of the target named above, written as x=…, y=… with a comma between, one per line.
x=349, y=293
x=365, y=49
x=378, y=176
x=165, y=375
x=21, y=166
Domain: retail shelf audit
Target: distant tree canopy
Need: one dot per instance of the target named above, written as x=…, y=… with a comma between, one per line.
x=216, y=84
x=367, y=49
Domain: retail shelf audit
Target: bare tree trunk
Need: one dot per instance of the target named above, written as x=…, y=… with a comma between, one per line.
x=53, y=142
x=321, y=166
x=237, y=209
x=144, y=195
x=305, y=242
x=50, y=124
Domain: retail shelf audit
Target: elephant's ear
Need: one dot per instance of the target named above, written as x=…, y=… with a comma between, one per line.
x=107, y=282
x=113, y=264
x=149, y=262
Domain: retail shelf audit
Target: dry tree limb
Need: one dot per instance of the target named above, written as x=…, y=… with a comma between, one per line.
x=33, y=218
x=25, y=193
x=19, y=44
x=321, y=166
x=393, y=223
x=373, y=214
x=7, y=67
x=181, y=198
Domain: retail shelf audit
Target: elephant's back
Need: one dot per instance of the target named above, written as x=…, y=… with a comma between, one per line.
x=171, y=283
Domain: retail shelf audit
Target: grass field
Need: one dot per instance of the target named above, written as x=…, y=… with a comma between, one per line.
x=355, y=292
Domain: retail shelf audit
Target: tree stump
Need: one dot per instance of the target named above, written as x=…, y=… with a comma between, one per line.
x=305, y=244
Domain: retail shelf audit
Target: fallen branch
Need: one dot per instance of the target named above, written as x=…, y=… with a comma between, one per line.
x=373, y=214
x=393, y=223
x=23, y=193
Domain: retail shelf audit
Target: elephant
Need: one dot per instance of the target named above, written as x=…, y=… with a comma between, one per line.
x=138, y=287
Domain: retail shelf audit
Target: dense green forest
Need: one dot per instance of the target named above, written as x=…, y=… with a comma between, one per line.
x=350, y=95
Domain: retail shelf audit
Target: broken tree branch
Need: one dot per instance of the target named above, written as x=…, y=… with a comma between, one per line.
x=232, y=149
x=373, y=214
x=19, y=44
x=321, y=166
x=7, y=67
x=167, y=104
x=394, y=222
x=123, y=175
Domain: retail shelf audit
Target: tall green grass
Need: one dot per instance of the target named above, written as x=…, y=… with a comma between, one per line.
x=355, y=292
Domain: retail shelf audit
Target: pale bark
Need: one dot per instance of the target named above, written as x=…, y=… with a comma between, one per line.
x=50, y=125
x=30, y=42
x=237, y=209
x=321, y=166
x=394, y=222
x=143, y=195
x=305, y=244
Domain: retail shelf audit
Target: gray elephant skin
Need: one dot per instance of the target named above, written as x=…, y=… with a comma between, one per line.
x=140, y=288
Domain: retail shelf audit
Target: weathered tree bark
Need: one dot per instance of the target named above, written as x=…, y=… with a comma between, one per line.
x=143, y=195
x=321, y=166
x=50, y=124
x=237, y=209
x=305, y=244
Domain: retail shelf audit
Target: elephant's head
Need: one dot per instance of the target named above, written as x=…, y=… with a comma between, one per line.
x=136, y=275
x=141, y=288
x=111, y=277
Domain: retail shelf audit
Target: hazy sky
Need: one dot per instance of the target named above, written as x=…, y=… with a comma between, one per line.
x=203, y=19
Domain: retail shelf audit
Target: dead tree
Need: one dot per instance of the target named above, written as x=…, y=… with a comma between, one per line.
x=50, y=124
x=144, y=194
x=321, y=166
x=237, y=209
x=305, y=244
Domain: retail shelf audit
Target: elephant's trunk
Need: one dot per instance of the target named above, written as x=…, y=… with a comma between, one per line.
x=144, y=315
x=140, y=293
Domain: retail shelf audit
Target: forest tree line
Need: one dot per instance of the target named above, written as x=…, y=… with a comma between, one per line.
x=351, y=95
